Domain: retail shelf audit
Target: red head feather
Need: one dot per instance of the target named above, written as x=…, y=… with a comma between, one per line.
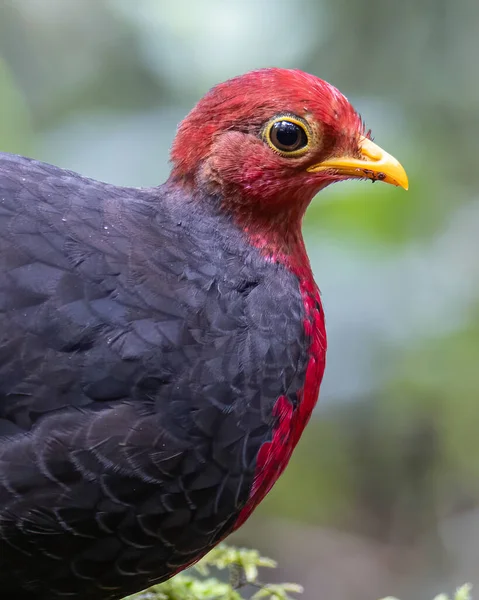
x=221, y=147
x=231, y=117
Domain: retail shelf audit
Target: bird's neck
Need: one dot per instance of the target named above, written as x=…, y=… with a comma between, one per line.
x=281, y=243
x=272, y=225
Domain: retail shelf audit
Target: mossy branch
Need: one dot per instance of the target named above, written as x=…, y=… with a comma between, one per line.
x=243, y=568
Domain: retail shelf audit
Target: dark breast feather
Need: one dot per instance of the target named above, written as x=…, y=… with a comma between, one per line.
x=143, y=345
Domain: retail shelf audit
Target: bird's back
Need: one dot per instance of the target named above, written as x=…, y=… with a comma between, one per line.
x=143, y=347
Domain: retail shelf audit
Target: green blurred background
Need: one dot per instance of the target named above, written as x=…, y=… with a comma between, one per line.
x=382, y=495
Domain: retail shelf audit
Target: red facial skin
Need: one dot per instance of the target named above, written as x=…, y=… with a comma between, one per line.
x=219, y=148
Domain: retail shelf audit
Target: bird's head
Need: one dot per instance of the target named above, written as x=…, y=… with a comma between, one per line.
x=266, y=142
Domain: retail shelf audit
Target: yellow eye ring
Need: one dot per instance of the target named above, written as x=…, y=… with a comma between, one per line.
x=287, y=135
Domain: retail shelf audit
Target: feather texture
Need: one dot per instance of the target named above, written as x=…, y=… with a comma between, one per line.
x=144, y=345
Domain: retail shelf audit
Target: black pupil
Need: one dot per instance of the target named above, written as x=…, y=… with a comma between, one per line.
x=287, y=136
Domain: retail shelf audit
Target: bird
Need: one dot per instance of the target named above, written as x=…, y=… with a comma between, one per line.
x=162, y=348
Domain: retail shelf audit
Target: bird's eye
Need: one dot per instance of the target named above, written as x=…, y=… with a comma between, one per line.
x=287, y=136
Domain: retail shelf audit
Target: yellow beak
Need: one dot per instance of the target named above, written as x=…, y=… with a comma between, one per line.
x=375, y=164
